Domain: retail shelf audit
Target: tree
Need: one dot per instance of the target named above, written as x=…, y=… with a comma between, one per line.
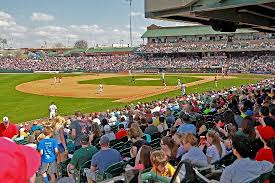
x=4, y=42
x=81, y=44
x=58, y=45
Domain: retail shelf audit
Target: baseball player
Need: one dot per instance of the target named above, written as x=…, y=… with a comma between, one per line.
x=53, y=110
x=183, y=86
x=100, y=88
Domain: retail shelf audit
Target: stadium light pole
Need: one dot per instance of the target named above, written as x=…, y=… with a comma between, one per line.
x=131, y=39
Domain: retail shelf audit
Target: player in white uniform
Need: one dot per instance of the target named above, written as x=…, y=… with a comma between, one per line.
x=54, y=80
x=183, y=88
x=53, y=110
x=179, y=83
x=100, y=88
x=216, y=81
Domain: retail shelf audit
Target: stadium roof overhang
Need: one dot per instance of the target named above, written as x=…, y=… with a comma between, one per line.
x=222, y=15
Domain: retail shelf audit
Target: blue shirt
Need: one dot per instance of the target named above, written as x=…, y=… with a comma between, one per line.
x=104, y=158
x=244, y=170
x=196, y=157
x=48, y=146
x=187, y=128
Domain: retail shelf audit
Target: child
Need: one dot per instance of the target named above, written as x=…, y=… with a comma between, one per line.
x=48, y=150
x=160, y=164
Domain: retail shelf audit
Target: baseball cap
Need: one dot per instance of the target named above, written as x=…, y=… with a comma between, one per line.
x=104, y=140
x=266, y=132
x=107, y=128
x=22, y=159
x=5, y=119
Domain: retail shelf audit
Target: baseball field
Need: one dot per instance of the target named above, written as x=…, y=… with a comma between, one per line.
x=26, y=97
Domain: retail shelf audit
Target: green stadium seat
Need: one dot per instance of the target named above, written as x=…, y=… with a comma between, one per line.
x=62, y=168
x=80, y=175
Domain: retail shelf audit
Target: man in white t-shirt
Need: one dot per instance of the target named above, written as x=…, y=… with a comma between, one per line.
x=53, y=110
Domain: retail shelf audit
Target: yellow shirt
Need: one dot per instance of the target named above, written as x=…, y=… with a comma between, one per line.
x=156, y=122
x=169, y=171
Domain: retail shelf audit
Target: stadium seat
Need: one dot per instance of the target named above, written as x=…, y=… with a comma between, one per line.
x=62, y=168
x=152, y=176
x=79, y=175
x=225, y=161
x=125, y=152
x=112, y=171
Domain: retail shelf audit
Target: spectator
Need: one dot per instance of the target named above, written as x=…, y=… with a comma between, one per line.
x=216, y=149
x=264, y=113
x=143, y=158
x=151, y=129
x=8, y=129
x=170, y=148
x=82, y=155
x=160, y=164
x=48, y=148
x=177, y=137
x=36, y=127
x=243, y=169
x=109, y=133
x=143, y=124
x=186, y=126
x=121, y=132
x=79, y=128
x=162, y=125
x=58, y=134
x=137, y=141
x=267, y=136
x=170, y=119
x=19, y=163
x=194, y=154
x=95, y=133
x=103, y=159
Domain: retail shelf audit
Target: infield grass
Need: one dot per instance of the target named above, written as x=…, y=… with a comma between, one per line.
x=170, y=80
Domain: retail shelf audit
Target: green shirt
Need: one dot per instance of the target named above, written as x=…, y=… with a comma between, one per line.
x=83, y=155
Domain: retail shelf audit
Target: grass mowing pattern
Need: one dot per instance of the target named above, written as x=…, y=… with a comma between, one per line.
x=20, y=107
x=126, y=80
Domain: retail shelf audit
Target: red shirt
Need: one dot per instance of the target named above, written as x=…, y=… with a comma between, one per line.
x=8, y=132
x=265, y=154
x=120, y=134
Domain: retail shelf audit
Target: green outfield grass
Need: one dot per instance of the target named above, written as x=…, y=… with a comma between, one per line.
x=170, y=80
x=20, y=107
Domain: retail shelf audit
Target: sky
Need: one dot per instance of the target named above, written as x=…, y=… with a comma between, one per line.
x=36, y=23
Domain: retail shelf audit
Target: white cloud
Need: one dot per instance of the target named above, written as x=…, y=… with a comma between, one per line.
x=41, y=17
x=6, y=19
x=94, y=29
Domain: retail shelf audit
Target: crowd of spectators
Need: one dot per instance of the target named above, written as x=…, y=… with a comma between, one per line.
x=210, y=46
x=152, y=137
x=245, y=63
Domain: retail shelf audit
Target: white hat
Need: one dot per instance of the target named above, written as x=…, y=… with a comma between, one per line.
x=5, y=119
x=96, y=120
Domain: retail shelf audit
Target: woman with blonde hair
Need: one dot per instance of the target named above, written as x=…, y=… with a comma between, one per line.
x=137, y=141
x=216, y=149
x=58, y=134
x=136, y=126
